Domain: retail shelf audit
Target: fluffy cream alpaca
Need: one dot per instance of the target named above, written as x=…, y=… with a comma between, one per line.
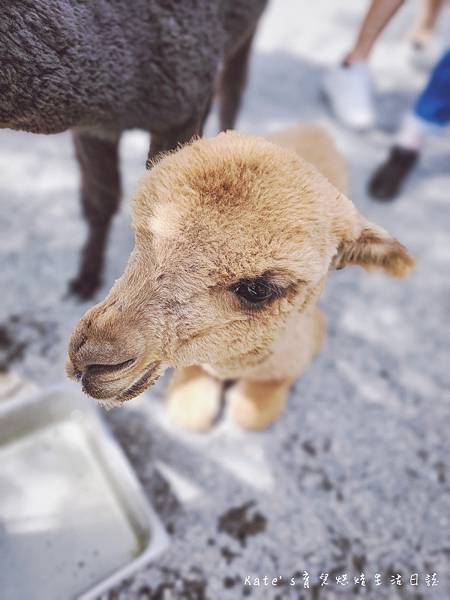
x=234, y=239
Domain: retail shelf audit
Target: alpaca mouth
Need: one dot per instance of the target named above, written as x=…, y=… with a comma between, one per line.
x=122, y=389
x=112, y=385
x=150, y=375
x=99, y=370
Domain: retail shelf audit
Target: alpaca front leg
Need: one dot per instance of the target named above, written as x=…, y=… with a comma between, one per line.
x=193, y=399
x=232, y=83
x=171, y=138
x=100, y=196
x=255, y=405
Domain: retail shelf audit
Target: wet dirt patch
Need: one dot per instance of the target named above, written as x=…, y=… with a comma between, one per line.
x=240, y=522
x=11, y=350
x=177, y=585
x=21, y=331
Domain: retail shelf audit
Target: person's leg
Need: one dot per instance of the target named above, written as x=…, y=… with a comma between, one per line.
x=377, y=17
x=348, y=86
x=424, y=47
x=426, y=21
x=433, y=104
x=431, y=112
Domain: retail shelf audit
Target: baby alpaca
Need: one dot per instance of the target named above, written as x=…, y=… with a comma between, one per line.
x=234, y=239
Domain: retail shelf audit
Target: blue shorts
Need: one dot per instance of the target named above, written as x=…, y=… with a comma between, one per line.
x=433, y=104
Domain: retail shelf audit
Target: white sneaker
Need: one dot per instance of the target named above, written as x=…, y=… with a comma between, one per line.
x=349, y=92
x=424, y=57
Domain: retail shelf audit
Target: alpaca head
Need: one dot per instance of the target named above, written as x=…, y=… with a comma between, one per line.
x=232, y=235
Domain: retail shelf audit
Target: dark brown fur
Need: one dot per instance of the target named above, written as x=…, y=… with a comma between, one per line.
x=99, y=68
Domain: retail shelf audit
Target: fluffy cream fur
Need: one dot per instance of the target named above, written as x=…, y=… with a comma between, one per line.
x=214, y=214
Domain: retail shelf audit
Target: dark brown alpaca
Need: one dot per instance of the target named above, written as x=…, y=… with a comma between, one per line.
x=100, y=68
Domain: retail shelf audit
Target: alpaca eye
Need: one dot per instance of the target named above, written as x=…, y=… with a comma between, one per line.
x=254, y=291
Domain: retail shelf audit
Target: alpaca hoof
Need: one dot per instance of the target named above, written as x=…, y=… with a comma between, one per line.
x=195, y=403
x=83, y=287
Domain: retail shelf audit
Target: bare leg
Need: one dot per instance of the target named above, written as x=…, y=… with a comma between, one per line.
x=348, y=87
x=193, y=399
x=426, y=21
x=377, y=17
x=100, y=196
x=232, y=82
x=255, y=405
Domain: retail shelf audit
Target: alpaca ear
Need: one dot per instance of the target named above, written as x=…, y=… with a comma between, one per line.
x=372, y=248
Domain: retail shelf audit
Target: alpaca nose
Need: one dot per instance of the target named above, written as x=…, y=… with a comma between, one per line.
x=97, y=357
x=100, y=346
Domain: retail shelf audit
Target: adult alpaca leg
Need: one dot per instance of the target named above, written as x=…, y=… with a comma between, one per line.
x=170, y=139
x=100, y=196
x=232, y=82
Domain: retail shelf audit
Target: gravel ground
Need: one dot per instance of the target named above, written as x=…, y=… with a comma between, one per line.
x=355, y=476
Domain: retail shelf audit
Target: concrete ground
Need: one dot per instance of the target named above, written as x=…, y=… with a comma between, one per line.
x=355, y=476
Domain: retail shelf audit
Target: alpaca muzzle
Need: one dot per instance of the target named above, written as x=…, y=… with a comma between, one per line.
x=109, y=358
